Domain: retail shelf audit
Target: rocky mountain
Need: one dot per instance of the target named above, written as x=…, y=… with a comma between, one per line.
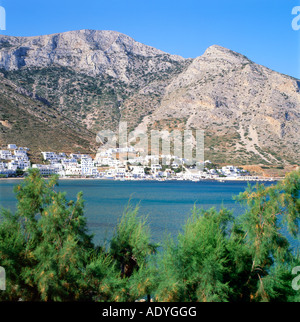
x=30, y=122
x=96, y=79
x=243, y=107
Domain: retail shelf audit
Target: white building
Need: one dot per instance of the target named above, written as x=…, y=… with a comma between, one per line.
x=73, y=170
x=5, y=155
x=138, y=171
x=24, y=165
x=175, y=165
x=69, y=162
x=20, y=155
x=46, y=170
x=156, y=167
x=213, y=171
x=87, y=161
x=87, y=164
x=122, y=150
x=119, y=172
x=20, y=152
x=158, y=174
x=19, y=164
x=104, y=154
x=12, y=165
x=76, y=156
x=230, y=171
x=48, y=156
x=7, y=172
x=90, y=172
x=168, y=173
x=137, y=161
x=154, y=159
x=12, y=146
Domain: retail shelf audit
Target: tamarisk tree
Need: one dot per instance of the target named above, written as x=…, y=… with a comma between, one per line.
x=44, y=245
x=248, y=258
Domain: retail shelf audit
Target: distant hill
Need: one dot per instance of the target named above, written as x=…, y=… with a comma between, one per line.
x=95, y=79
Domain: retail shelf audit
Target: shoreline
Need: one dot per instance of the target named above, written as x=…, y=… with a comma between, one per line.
x=221, y=180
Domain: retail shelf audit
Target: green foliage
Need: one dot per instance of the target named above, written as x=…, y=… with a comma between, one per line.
x=49, y=255
x=131, y=247
x=131, y=240
x=244, y=259
x=270, y=211
x=19, y=172
x=198, y=262
x=48, y=242
x=179, y=169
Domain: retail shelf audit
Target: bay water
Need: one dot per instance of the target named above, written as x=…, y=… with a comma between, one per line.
x=166, y=204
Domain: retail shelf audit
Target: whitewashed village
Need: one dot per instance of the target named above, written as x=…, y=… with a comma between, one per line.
x=107, y=164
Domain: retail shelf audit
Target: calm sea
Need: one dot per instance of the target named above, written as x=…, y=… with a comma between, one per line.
x=167, y=205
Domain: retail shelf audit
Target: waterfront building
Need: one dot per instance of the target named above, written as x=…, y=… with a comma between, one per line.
x=137, y=171
x=46, y=170
x=73, y=170
x=12, y=147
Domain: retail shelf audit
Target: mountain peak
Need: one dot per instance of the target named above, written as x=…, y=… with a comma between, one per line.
x=219, y=52
x=93, y=52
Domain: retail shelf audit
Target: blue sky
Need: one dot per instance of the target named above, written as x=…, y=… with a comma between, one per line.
x=259, y=29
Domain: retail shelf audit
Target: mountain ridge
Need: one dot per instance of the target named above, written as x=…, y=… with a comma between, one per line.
x=250, y=113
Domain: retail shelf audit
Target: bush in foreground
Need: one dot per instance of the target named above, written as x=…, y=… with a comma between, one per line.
x=49, y=255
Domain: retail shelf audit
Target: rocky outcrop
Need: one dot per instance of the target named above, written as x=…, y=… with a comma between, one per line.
x=88, y=51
